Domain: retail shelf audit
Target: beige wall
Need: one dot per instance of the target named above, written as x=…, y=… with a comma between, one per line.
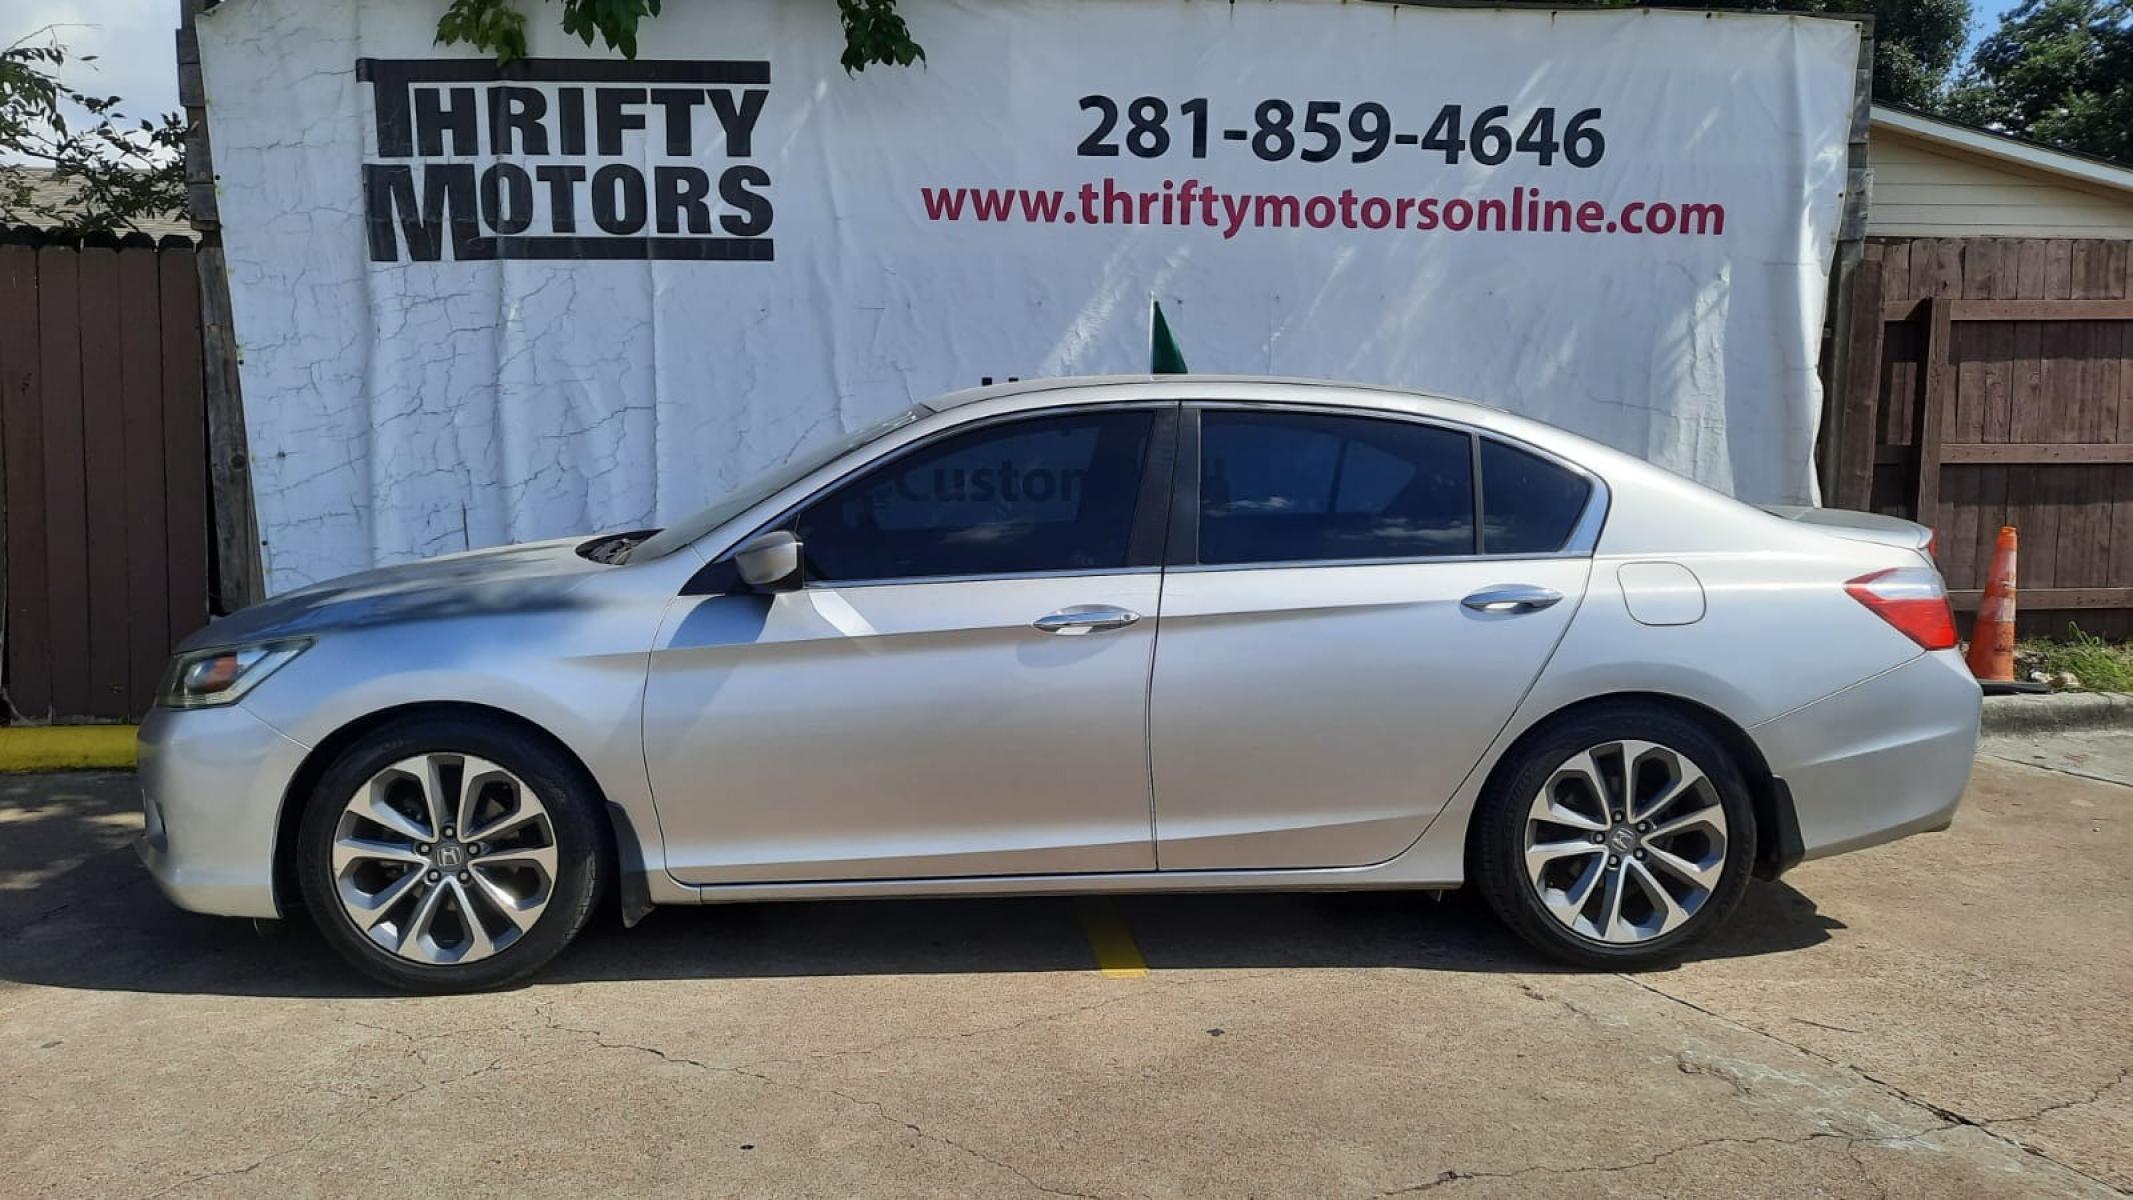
x=1926, y=190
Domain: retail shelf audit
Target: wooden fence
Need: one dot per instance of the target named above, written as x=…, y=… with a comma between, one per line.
x=103, y=472
x=1990, y=383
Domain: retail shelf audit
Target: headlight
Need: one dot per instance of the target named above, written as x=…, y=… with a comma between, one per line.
x=208, y=677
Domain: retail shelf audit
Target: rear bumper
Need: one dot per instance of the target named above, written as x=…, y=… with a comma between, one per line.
x=212, y=781
x=1879, y=760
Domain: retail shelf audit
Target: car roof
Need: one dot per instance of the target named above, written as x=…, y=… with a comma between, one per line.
x=1205, y=387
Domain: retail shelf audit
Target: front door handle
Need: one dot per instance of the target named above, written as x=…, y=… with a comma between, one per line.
x=1079, y=619
x=1512, y=598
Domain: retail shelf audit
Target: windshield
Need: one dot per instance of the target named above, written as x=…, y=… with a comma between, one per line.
x=762, y=487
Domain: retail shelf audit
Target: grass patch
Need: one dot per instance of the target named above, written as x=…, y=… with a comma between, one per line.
x=2099, y=665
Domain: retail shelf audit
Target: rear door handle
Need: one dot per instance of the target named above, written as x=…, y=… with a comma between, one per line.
x=1512, y=598
x=1079, y=619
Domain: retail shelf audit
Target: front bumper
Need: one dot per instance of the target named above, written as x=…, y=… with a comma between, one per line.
x=1880, y=760
x=212, y=782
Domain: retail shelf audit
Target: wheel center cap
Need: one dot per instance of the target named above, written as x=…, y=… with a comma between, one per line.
x=448, y=856
x=1621, y=839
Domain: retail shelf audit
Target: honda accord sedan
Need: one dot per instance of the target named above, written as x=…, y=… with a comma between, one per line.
x=1142, y=634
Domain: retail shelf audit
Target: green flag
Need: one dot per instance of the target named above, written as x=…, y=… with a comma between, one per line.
x=1164, y=357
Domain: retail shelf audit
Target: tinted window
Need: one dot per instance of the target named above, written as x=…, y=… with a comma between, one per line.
x=1528, y=504
x=1047, y=494
x=1297, y=487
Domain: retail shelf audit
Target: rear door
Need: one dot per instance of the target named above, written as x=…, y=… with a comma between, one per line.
x=1353, y=607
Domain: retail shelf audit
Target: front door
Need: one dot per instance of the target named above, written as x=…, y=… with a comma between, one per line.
x=960, y=688
x=1342, y=638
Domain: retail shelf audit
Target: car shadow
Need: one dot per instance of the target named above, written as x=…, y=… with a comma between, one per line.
x=78, y=911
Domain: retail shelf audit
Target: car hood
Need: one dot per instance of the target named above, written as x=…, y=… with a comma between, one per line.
x=506, y=579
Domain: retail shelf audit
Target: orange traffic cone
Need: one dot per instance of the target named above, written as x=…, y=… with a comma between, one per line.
x=1992, y=638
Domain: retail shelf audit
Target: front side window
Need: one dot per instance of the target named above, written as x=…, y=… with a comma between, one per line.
x=1302, y=487
x=1038, y=494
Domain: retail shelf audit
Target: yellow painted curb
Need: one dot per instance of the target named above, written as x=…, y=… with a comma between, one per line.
x=66, y=747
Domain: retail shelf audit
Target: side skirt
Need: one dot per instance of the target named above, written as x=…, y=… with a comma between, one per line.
x=1393, y=874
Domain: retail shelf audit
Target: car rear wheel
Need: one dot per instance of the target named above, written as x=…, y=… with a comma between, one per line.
x=1618, y=838
x=450, y=855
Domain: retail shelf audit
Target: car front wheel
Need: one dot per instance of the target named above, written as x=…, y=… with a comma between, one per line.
x=443, y=855
x=1617, y=838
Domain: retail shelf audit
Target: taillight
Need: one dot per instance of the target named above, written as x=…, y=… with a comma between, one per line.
x=1913, y=599
x=1932, y=544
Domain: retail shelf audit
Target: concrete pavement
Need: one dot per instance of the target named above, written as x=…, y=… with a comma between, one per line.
x=1950, y=1015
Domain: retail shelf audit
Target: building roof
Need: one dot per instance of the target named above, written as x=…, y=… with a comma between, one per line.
x=46, y=190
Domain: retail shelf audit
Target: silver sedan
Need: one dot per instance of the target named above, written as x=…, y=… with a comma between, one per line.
x=1185, y=633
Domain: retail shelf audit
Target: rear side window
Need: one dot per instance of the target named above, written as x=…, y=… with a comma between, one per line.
x=1302, y=487
x=1043, y=494
x=1528, y=504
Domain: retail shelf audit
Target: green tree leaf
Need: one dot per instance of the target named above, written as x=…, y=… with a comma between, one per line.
x=874, y=32
x=116, y=172
x=2059, y=72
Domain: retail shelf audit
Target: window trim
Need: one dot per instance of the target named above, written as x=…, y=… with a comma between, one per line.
x=1146, y=539
x=1185, y=496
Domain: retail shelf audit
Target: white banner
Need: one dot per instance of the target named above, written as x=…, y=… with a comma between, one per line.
x=483, y=304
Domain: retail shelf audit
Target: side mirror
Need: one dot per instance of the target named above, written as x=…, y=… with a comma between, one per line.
x=770, y=562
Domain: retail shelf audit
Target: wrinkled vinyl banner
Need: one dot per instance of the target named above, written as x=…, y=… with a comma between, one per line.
x=483, y=304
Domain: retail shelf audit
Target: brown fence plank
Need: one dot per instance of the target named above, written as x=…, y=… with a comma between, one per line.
x=1940, y=273
x=2091, y=259
x=1966, y=599
x=2058, y=270
x=2077, y=534
x=1969, y=345
x=147, y=544
x=1896, y=271
x=2000, y=346
x=28, y=628
x=2025, y=407
x=1935, y=398
x=65, y=485
x=2097, y=499
x=104, y=479
x=1925, y=256
x=2031, y=509
x=2099, y=308
x=184, y=441
x=1854, y=484
x=2036, y=453
x=1957, y=528
x=2121, y=554
x=1992, y=489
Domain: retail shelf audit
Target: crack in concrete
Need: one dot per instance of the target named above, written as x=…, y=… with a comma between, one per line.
x=1143, y=992
x=366, y=1107
x=1850, y=1141
x=2056, y=770
x=880, y=1111
x=2064, y=1105
x=1952, y=1117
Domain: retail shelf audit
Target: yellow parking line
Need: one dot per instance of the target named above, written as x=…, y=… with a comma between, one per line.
x=65, y=747
x=1116, y=954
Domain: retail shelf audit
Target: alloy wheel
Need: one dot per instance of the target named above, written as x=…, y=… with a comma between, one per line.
x=1625, y=842
x=444, y=858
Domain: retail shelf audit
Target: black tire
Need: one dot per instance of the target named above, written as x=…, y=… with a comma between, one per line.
x=1497, y=849
x=558, y=783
